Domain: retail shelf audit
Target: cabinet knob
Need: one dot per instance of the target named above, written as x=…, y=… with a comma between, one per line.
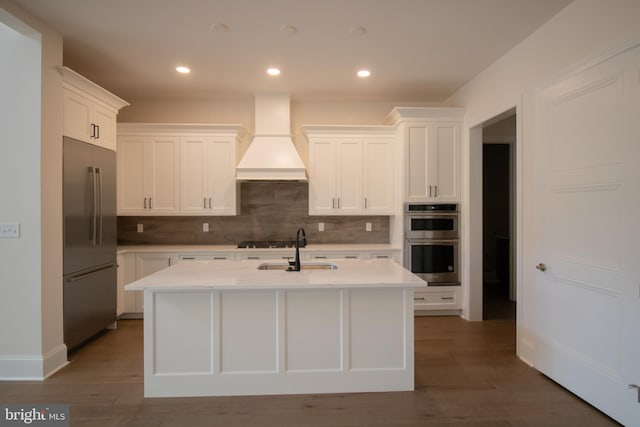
x=541, y=267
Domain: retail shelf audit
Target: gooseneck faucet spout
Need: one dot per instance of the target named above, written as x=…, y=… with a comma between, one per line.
x=300, y=232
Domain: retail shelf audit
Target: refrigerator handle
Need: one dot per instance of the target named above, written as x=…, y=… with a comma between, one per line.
x=99, y=174
x=92, y=171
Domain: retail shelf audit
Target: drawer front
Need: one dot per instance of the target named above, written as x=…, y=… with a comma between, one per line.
x=337, y=255
x=222, y=256
x=426, y=300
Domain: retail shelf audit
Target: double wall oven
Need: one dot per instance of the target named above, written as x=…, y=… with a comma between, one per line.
x=431, y=242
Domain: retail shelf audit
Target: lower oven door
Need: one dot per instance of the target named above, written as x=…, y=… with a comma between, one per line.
x=435, y=261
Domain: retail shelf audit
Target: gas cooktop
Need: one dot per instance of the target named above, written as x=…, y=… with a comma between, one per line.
x=262, y=244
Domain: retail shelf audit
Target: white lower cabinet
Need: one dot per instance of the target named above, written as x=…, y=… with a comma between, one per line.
x=437, y=298
x=134, y=267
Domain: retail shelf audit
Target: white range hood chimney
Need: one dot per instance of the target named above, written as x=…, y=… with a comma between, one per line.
x=271, y=156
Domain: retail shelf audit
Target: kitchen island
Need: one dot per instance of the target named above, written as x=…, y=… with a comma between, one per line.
x=229, y=328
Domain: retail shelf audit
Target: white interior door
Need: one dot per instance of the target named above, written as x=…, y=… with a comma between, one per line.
x=587, y=219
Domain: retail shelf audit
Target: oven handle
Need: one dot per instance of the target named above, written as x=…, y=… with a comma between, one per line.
x=431, y=241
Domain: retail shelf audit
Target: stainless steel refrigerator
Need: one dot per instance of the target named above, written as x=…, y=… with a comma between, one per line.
x=89, y=174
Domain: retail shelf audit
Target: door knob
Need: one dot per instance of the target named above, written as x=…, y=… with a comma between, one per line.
x=541, y=267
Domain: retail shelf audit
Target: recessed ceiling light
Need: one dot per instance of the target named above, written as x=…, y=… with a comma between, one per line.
x=219, y=27
x=183, y=70
x=289, y=29
x=358, y=31
x=364, y=73
x=273, y=71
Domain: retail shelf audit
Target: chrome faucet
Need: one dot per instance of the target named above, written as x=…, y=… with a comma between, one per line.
x=296, y=264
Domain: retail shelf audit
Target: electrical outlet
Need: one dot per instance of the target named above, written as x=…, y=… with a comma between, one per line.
x=205, y=227
x=321, y=226
x=140, y=228
x=368, y=226
x=9, y=230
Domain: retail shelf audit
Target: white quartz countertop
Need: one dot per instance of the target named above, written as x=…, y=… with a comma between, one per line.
x=229, y=275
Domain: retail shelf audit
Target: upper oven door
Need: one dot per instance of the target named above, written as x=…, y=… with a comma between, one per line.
x=431, y=225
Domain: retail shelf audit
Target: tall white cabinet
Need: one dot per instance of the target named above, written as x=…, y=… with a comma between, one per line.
x=174, y=169
x=89, y=111
x=351, y=170
x=431, y=138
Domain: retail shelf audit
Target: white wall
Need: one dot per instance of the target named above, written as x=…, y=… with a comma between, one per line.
x=581, y=31
x=31, y=186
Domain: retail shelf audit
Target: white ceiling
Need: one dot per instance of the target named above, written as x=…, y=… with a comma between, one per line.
x=417, y=50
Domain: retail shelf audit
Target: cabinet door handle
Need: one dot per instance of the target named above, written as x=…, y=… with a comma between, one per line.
x=429, y=191
x=97, y=132
x=319, y=257
x=219, y=257
x=253, y=257
x=189, y=257
x=446, y=298
x=209, y=202
x=418, y=299
x=435, y=191
x=145, y=203
x=338, y=202
x=150, y=205
x=333, y=203
x=351, y=257
x=365, y=203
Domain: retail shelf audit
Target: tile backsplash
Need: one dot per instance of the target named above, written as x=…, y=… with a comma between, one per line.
x=269, y=211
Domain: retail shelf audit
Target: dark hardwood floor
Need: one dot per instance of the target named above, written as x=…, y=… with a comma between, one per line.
x=467, y=374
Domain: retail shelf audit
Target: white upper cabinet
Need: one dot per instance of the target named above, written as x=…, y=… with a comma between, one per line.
x=89, y=111
x=431, y=138
x=148, y=175
x=166, y=169
x=378, y=175
x=207, y=175
x=351, y=170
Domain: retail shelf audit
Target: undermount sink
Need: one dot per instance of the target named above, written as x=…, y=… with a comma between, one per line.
x=280, y=266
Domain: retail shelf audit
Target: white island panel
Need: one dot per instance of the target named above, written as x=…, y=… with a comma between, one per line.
x=249, y=331
x=378, y=328
x=314, y=330
x=183, y=337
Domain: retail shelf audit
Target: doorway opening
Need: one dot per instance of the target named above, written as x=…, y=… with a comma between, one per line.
x=498, y=219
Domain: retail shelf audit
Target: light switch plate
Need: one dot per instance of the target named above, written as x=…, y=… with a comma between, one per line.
x=368, y=226
x=205, y=227
x=140, y=228
x=321, y=226
x=9, y=230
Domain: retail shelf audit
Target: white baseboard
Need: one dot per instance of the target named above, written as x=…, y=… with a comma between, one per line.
x=33, y=367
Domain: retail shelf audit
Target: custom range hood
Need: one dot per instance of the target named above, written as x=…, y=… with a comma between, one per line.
x=271, y=156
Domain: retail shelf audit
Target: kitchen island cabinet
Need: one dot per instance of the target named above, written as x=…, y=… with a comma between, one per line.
x=227, y=328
